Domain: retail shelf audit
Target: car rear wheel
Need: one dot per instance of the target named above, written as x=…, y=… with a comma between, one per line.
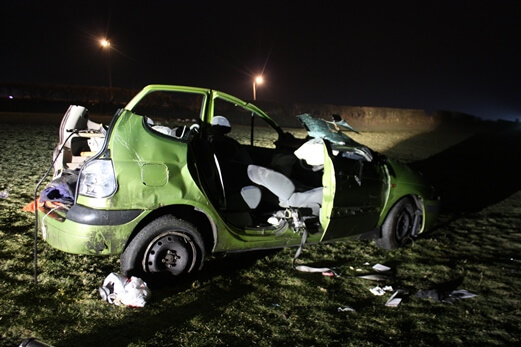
x=165, y=248
x=399, y=225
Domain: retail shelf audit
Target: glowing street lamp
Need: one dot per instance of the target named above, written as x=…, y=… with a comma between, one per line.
x=256, y=81
x=105, y=44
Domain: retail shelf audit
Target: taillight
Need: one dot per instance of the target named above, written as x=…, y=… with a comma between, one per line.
x=97, y=179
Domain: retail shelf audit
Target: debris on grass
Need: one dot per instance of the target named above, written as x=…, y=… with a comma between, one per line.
x=329, y=273
x=122, y=291
x=447, y=298
x=381, y=268
x=346, y=309
x=378, y=291
x=383, y=273
x=33, y=342
x=395, y=299
x=374, y=277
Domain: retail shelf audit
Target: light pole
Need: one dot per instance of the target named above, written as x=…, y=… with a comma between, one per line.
x=106, y=45
x=256, y=81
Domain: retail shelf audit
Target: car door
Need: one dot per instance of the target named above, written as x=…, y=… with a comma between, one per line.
x=355, y=182
x=361, y=188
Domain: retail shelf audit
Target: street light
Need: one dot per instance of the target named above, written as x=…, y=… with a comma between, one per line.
x=105, y=44
x=256, y=81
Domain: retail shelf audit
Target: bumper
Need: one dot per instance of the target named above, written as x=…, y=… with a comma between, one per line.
x=89, y=231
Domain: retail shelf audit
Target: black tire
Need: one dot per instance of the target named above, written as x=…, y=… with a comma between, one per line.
x=165, y=248
x=397, y=229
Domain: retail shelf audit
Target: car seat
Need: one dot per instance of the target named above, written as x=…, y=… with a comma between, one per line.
x=285, y=189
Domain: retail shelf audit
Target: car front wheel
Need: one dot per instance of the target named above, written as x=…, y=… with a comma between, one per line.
x=400, y=225
x=167, y=246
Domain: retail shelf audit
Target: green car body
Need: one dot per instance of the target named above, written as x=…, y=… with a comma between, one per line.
x=140, y=175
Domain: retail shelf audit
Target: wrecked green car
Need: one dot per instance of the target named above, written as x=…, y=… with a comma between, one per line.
x=184, y=172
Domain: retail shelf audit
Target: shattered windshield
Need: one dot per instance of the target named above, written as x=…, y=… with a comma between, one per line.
x=330, y=131
x=319, y=128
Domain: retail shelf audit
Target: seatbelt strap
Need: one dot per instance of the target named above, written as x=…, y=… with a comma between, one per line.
x=305, y=268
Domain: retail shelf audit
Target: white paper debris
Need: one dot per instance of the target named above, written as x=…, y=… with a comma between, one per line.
x=122, y=291
x=377, y=291
x=393, y=300
x=380, y=267
x=346, y=309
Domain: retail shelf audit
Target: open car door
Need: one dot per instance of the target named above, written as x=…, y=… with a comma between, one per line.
x=79, y=139
x=355, y=182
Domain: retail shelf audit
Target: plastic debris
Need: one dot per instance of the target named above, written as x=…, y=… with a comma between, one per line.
x=381, y=268
x=374, y=277
x=322, y=270
x=4, y=194
x=122, y=291
x=394, y=300
x=33, y=342
x=328, y=273
x=381, y=291
x=383, y=273
x=459, y=294
x=377, y=291
x=346, y=309
x=448, y=298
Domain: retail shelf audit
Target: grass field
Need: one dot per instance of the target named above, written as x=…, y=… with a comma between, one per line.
x=257, y=298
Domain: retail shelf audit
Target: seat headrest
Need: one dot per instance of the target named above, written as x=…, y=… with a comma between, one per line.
x=220, y=125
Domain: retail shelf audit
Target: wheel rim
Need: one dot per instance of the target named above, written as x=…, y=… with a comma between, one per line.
x=170, y=252
x=404, y=225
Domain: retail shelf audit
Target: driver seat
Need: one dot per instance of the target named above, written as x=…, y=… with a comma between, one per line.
x=285, y=189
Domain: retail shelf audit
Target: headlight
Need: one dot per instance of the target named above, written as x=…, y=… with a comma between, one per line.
x=97, y=179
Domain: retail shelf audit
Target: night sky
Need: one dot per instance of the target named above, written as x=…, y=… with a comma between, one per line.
x=462, y=56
